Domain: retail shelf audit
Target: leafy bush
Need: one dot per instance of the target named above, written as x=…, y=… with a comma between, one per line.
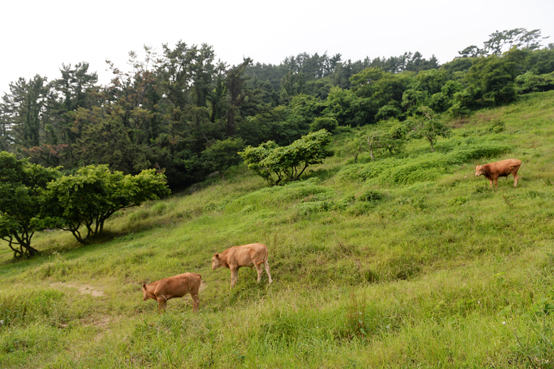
x=371, y=196
x=221, y=155
x=305, y=208
x=277, y=164
x=327, y=123
x=531, y=82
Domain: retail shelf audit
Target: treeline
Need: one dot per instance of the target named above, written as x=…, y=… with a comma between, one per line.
x=186, y=114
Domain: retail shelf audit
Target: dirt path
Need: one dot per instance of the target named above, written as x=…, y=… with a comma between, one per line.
x=83, y=289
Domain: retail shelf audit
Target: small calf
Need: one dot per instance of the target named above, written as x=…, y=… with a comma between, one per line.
x=176, y=286
x=251, y=255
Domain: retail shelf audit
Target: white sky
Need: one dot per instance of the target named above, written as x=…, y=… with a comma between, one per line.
x=38, y=36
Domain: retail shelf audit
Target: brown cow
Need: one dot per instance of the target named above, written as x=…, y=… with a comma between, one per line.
x=502, y=168
x=254, y=254
x=176, y=286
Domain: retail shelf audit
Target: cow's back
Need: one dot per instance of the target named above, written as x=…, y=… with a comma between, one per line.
x=503, y=167
x=247, y=255
x=179, y=285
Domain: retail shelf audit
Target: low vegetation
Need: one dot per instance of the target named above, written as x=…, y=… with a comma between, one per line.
x=406, y=260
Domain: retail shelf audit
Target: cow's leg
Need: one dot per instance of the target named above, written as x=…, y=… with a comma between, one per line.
x=516, y=177
x=496, y=182
x=490, y=180
x=195, y=302
x=260, y=270
x=266, y=265
x=162, y=302
x=234, y=274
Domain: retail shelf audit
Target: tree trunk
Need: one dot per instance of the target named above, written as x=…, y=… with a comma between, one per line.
x=231, y=123
x=432, y=148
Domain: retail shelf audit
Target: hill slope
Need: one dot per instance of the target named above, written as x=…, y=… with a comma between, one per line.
x=408, y=261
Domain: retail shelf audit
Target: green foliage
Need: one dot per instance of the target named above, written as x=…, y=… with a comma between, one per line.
x=530, y=82
x=465, y=101
x=221, y=155
x=428, y=125
x=326, y=123
x=495, y=77
x=426, y=167
x=348, y=108
x=391, y=139
x=371, y=196
x=280, y=124
x=355, y=145
x=166, y=109
x=92, y=195
x=22, y=197
x=276, y=164
x=254, y=156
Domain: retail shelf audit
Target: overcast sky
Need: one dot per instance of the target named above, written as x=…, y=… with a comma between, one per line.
x=38, y=36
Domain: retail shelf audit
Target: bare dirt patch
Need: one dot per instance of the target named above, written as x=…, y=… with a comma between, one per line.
x=83, y=289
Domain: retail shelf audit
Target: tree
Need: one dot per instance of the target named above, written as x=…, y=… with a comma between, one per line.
x=391, y=139
x=328, y=123
x=6, y=139
x=288, y=163
x=495, y=77
x=84, y=201
x=216, y=96
x=382, y=90
x=221, y=155
x=530, y=82
x=348, y=108
x=355, y=146
x=428, y=125
x=76, y=88
x=22, y=196
x=517, y=37
x=25, y=106
x=500, y=41
x=235, y=83
x=254, y=156
x=471, y=52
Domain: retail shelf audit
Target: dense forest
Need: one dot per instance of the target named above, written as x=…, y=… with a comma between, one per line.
x=182, y=112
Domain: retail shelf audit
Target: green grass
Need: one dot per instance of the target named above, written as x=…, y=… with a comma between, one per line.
x=407, y=261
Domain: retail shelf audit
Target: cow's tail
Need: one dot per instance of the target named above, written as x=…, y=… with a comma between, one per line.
x=263, y=261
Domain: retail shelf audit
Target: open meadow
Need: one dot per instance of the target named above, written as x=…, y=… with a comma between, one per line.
x=409, y=261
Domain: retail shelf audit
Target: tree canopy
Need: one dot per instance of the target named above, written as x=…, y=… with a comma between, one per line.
x=169, y=108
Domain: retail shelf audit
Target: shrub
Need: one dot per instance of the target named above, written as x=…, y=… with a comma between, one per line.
x=327, y=123
x=280, y=164
x=371, y=196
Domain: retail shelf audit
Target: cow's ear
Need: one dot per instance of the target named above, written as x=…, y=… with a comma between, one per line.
x=216, y=256
x=143, y=286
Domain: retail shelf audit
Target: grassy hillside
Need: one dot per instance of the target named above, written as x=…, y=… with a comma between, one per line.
x=408, y=261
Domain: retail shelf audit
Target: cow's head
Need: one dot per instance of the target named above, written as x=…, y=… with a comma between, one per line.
x=145, y=294
x=479, y=170
x=216, y=263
